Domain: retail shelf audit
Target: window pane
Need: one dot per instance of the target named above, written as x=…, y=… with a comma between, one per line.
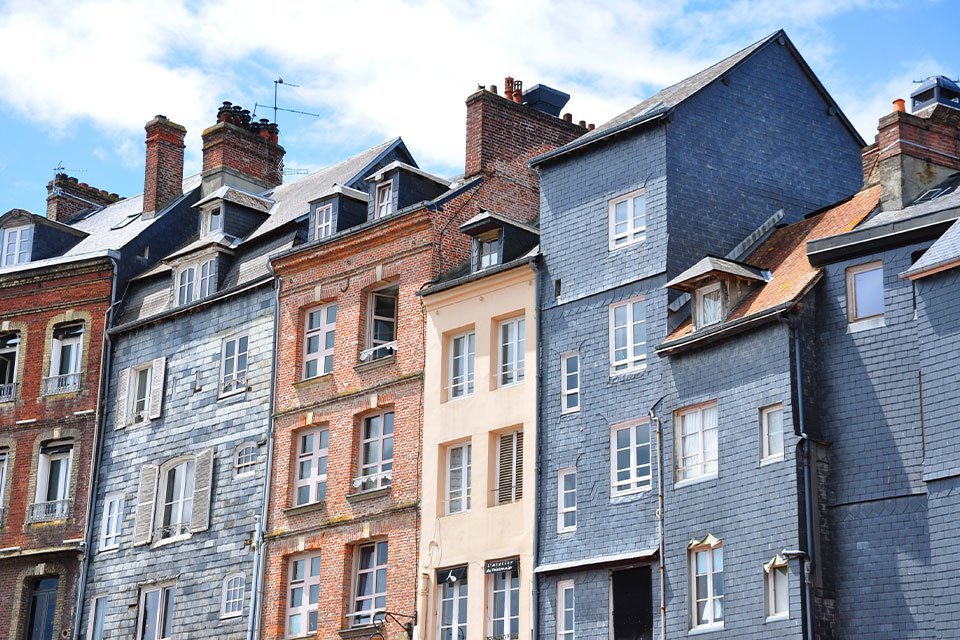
x=868, y=288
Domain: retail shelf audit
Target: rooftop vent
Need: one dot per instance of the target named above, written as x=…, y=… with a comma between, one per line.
x=935, y=90
x=546, y=99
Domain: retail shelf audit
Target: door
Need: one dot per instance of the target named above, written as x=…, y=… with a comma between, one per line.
x=632, y=604
x=43, y=602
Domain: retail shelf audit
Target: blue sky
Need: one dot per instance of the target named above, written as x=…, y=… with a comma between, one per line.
x=81, y=78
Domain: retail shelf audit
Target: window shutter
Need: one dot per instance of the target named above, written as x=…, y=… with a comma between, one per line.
x=505, y=471
x=156, y=387
x=146, y=498
x=123, y=384
x=518, y=469
x=202, y=488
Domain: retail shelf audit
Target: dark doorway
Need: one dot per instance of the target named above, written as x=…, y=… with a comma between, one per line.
x=632, y=604
x=43, y=603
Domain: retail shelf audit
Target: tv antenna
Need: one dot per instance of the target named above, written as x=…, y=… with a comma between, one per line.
x=61, y=169
x=276, y=86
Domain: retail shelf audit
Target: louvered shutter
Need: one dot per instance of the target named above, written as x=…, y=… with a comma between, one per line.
x=123, y=385
x=202, y=488
x=156, y=387
x=505, y=469
x=518, y=466
x=146, y=500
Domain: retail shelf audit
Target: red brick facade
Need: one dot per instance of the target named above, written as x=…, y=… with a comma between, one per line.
x=405, y=251
x=163, y=178
x=66, y=197
x=244, y=148
x=32, y=303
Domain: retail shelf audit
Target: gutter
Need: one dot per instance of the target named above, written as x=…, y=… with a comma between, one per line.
x=100, y=416
x=700, y=338
x=535, y=600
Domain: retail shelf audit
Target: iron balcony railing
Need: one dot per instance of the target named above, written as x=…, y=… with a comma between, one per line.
x=8, y=391
x=47, y=511
x=379, y=351
x=66, y=383
x=373, y=481
x=237, y=384
x=173, y=530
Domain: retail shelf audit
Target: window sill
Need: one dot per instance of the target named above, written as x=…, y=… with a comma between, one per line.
x=696, y=631
x=310, y=507
x=623, y=245
x=105, y=551
x=372, y=494
x=625, y=496
x=569, y=412
x=362, y=631
x=692, y=481
x=866, y=324
x=771, y=460
x=625, y=372
x=173, y=540
x=455, y=513
x=231, y=616
x=375, y=364
x=565, y=531
x=59, y=394
x=780, y=617
x=510, y=384
x=231, y=394
x=306, y=382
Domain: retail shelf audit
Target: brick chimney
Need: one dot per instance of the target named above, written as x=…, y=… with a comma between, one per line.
x=912, y=153
x=240, y=152
x=163, y=178
x=503, y=133
x=68, y=197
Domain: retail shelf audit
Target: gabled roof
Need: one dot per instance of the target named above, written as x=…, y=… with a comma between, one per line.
x=35, y=219
x=293, y=200
x=396, y=164
x=661, y=103
x=687, y=280
x=483, y=220
x=240, y=197
x=942, y=255
x=784, y=255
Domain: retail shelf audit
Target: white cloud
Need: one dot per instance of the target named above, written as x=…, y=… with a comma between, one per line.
x=374, y=69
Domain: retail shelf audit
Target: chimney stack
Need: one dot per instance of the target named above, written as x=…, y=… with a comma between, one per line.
x=163, y=178
x=68, y=197
x=241, y=152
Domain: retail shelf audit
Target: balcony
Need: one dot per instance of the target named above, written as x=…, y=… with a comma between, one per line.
x=48, y=511
x=67, y=383
x=8, y=391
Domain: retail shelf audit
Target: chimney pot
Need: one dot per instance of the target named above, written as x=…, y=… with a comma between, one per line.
x=583, y=124
x=568, y=117
x=591, y=127
x=493, y=88
x=518, y=91
x=899, y=104
x=508, y=88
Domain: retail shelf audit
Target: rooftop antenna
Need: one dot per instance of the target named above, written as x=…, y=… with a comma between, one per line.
x=57, y=170
x=276, y=85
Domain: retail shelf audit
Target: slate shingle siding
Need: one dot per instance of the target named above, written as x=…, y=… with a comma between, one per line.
x=191, y=421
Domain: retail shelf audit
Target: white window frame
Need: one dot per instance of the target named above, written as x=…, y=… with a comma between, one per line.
x=633, y=234
x=307, y=584
x=383, y=206
x=766, y=453
x=316, y=458
x=511, y=349
x=142, y=416
x=376, y=347
x=214, y=213
x=456, y=595
x=464, y=488
x=321, y=331
x=184, y=516
x=564, y=587
x=231, y=606
x=98, y=609
x=236, y=380
x=363, y=617
x=7, y=395
x=166, y=593
x=4, y=464
x=196, y=281
x=636, y=482
x=488, y=250
x=43, y=474
x=568, y=391
x=701, y=293
x=851, y=279
x=323, y=221
x=636, y=356
x=111, y=525
x=17, y=245
x=773, y=580
x=508, y=614
x=243, y=464
x=711, y=597
x=708, y=466
x=463, y=385
x=60, y=344
x=562, y=507
x=379, y=473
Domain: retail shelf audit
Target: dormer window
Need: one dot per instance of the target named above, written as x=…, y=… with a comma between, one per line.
x=709, y=305
x=15, y=245
x=196, y=281
x=384, y=200
x=487, y=250
x=323, y=222
x=212, y=221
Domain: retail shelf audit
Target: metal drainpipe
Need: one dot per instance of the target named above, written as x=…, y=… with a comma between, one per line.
x=660, y=536
x=253, y=628
x=104, y=380
x=535, y=603
x=807, y=498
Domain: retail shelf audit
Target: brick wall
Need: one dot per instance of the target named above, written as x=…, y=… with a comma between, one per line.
x=234, y=148
x=163, y=177
x=62, y=206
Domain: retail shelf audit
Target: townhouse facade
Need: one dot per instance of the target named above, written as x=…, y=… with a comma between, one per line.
x=344, y=513
x=709, y=165
x=479, y=439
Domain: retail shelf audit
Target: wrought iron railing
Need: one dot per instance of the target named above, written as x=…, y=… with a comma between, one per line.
x=66, y=383
x=373, y=481
x=379, y=351
x=173, y=530
x=8, y=392
x=238, y=383
x=47, y=511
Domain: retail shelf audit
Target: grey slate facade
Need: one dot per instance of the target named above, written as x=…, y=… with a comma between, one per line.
x=736, y=143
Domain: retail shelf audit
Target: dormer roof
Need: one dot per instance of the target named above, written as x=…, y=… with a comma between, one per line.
x=409, y=168
x=240, y=197
x=341, y=190
x=712, y=268
x=487, y=220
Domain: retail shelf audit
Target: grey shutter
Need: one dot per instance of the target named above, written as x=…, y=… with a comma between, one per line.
x=202, y=488
x=146, y=500
x=518, y=461
x=505, y=470
x=156, y=387
x=123, y=385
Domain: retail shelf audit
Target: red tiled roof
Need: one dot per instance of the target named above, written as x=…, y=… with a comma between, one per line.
x=784, y=255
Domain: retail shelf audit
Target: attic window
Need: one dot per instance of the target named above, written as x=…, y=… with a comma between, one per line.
x=708, y=305
x=384, y=200
x=15, y=245
x=486, y=250
x=212, y=221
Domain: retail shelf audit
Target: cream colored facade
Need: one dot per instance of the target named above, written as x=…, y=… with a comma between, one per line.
x=488, y=531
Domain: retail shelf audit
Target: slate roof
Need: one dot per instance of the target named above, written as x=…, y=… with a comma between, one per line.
x=712, y=264
x=238, y=196
x=784, y=255
x=948, y=199
x=942, y=254
x=293, y=200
